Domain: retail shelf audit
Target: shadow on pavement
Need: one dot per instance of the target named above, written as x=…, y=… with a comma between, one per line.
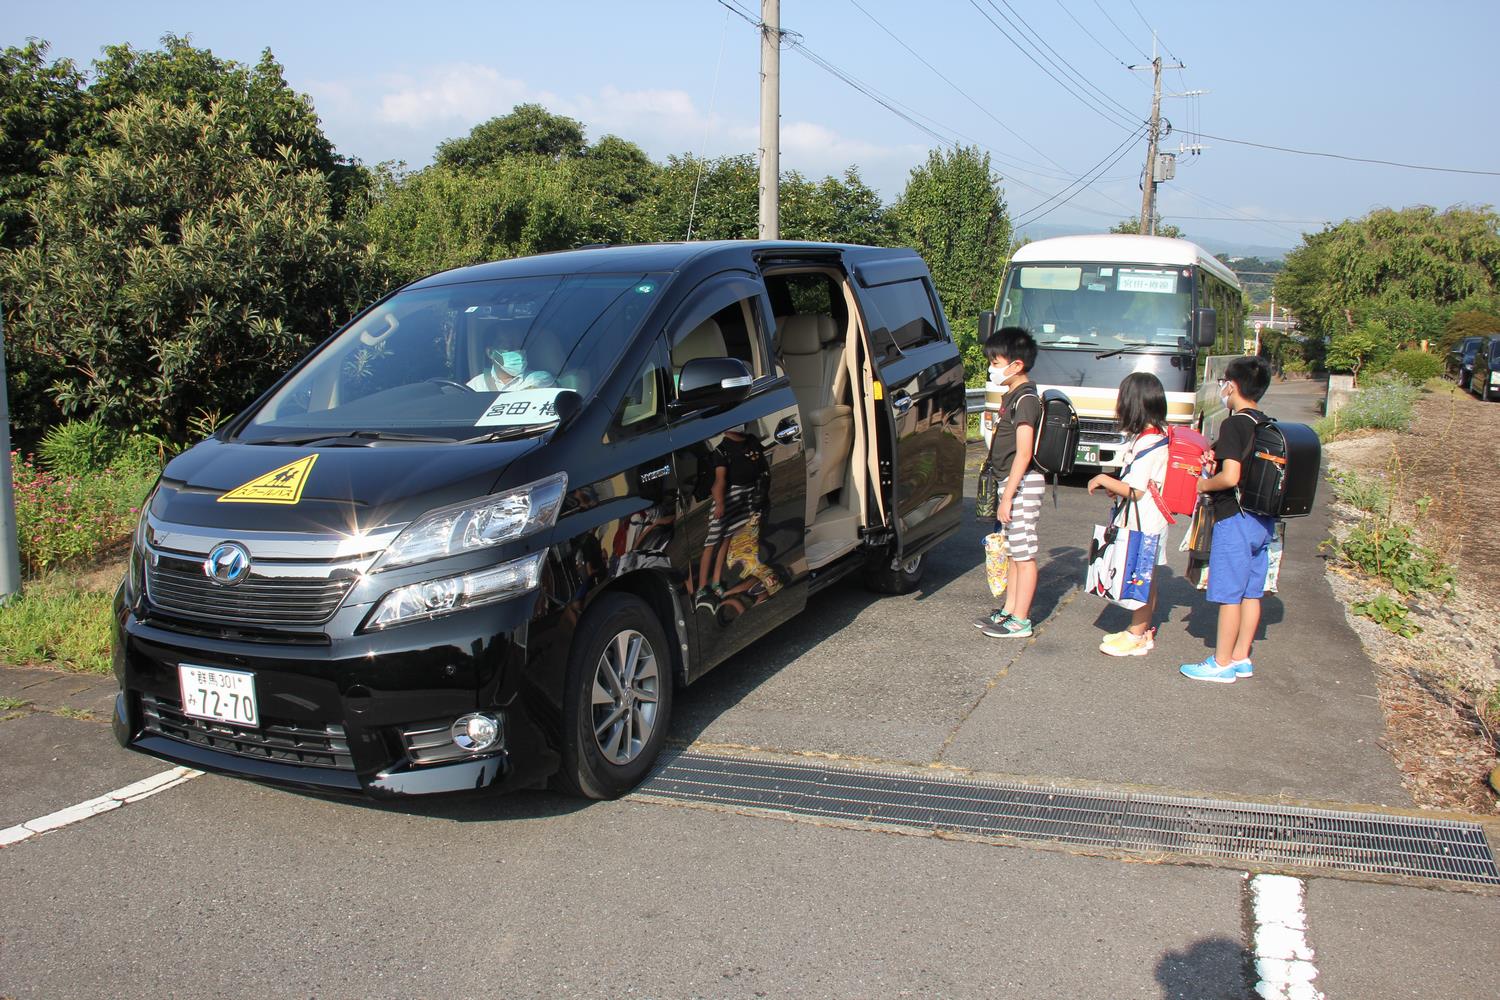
x=1215, y=968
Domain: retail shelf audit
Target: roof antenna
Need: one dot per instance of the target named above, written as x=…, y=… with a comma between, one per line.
x=713, y=99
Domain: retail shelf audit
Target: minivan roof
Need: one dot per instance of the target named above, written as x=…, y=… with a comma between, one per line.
x=635, y=257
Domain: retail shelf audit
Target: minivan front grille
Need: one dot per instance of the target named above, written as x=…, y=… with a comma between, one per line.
x=177, y=585
x=320, y=746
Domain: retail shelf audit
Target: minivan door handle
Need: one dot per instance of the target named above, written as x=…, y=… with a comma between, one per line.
x=789, y=431
x=901, y=402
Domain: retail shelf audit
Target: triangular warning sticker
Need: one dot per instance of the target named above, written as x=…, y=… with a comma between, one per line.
x=283, y=485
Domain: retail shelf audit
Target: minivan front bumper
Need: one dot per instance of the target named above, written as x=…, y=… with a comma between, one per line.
x=342, y=716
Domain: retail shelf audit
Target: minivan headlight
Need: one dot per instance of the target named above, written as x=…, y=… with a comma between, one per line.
x=432, y=598
x=477, y=524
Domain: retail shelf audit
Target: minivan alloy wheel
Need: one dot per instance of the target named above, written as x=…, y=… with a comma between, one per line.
x=625, y=697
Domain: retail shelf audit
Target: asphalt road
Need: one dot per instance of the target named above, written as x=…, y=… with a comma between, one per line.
x=223, y=888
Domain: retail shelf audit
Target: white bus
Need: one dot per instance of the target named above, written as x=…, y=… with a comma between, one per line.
x=1101, y=307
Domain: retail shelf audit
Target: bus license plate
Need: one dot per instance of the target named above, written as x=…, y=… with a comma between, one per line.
x=219, y=695
x=1088, y=454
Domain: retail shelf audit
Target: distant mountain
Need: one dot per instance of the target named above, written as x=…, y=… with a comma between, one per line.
x=1230, y=248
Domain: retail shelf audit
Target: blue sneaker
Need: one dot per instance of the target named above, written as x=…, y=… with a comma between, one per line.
x=1209, y=670
x=1243, y=668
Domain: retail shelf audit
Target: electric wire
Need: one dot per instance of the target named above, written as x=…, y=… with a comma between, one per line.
x=1083, y=97
x=1066, y=66
x=1107, y=50
x=713, y=100
x=1114, y=156
x=1354, y=159
x=1120, y=30
x=956, y=87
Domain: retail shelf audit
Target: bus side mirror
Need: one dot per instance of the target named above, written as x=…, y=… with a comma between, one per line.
x=1205, y=327
x=986, y=325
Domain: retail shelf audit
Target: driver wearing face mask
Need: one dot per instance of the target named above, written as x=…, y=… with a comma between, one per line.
x=507, y=372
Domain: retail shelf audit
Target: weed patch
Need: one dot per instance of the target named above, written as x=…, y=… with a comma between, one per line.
x=66, y=519
x=1388, y=613
x=55, y=620
x=1366, y=493
x=1385, y=404
x=11, y=704
x=1387, y=551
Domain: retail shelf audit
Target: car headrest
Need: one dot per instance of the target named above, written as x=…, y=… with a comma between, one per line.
x=705, y=340
x=806, y=334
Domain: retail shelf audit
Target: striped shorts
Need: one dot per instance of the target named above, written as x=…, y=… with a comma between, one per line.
x=1025, y=508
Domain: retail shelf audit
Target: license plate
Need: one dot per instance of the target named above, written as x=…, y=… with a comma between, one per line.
x=218, y=694
x=1087, y=455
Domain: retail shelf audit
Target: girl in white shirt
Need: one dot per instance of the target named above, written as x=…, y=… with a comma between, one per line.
x=1141, y=407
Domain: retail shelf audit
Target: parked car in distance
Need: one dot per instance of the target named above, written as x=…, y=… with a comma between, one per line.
x=1461, y=359
x=1484, y=369
x=477, y=538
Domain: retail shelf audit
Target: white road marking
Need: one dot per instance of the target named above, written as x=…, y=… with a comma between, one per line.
x=1283, y=958
x=108, y=802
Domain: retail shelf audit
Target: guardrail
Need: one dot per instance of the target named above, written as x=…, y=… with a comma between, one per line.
x=975, y=400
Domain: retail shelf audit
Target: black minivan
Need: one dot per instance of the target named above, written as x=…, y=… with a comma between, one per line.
x=1484, y=369
x=476, y=537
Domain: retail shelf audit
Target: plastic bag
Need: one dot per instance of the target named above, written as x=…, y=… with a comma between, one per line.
x=996, y=562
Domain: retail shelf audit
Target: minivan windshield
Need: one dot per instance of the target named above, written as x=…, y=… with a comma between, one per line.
x=457, y=361
x=1100, y=307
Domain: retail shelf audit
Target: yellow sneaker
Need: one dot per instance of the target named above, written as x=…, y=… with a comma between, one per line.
x=1129, y=644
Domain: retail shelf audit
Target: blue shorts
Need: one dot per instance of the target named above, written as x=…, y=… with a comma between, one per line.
x=1237, y=558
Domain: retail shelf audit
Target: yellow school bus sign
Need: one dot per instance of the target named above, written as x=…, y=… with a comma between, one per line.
x=283, y=485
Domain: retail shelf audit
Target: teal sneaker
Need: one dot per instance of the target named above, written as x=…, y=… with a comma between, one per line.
x=1011, y=628
x=1243, y=668
x=991, y=620
x=1209, y=670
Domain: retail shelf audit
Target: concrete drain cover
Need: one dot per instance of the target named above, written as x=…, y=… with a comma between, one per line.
x=1247, y=832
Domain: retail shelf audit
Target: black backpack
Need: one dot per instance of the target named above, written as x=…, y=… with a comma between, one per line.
x=1057, y=436
x=1281, y=477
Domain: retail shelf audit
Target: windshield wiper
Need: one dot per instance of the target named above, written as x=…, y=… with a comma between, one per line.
x=1133, y=349
x=355, y=439
x=506, y=433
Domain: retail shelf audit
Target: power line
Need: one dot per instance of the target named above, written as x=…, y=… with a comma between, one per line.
x=956, y=87
x=1028, y=217
x=1236, y=218
x=1172, y=55
x=1092, y=103
x=1120, y=30
x=1353, y=159
x=1107, y=50
x=1070, y=67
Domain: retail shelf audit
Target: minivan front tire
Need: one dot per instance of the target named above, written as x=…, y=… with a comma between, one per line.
x=618, y=700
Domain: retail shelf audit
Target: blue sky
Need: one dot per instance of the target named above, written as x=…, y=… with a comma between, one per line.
x=1401, y=81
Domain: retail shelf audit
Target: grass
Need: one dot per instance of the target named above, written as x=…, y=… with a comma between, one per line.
x=11, y=704
x=1366, y=493
x=1385, y=403
x=60, y=618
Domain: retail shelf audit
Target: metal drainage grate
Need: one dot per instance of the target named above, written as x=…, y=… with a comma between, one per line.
x=1248, y=832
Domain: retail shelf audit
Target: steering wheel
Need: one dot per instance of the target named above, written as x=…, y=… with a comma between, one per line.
x=448, y=382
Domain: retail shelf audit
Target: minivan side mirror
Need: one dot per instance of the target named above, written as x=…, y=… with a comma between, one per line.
x=707, y=383
x=986, y=325
x=1205, y=327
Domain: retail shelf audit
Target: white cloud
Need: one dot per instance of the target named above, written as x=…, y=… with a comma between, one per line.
x=463, y=93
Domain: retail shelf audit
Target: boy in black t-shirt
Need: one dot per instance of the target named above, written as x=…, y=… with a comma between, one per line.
x=1241, y=540
x=1012, y=352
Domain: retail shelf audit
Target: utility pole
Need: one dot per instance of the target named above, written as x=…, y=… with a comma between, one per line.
x=1150, y=176
x=10, y=553
x=770, y=120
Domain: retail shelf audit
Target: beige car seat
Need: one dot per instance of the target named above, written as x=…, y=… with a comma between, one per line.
x=814, y=362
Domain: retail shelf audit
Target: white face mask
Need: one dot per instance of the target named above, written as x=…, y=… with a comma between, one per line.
x=998, y=374
x=1224, y=392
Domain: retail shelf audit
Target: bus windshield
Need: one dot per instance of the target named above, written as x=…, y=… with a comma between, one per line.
x=1101, y=307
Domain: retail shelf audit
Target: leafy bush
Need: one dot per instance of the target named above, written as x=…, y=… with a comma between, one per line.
x=1366, y=493
x=1388, y=551
x=66, y=519
x=1391, y=614
x=1417, y=366
x=1384, y=403
x=81, y=447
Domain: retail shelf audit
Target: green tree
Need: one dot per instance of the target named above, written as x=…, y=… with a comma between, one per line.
x=953, y=213
x=274, y=118
x=1407, y=270
x=1368, y=345
x=175, y=269
x=715, y=199
x=440, y=218
x=41, y=104
x=834, y=210
x=1470, y=323
x=1132, y=227
x=528, y=129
